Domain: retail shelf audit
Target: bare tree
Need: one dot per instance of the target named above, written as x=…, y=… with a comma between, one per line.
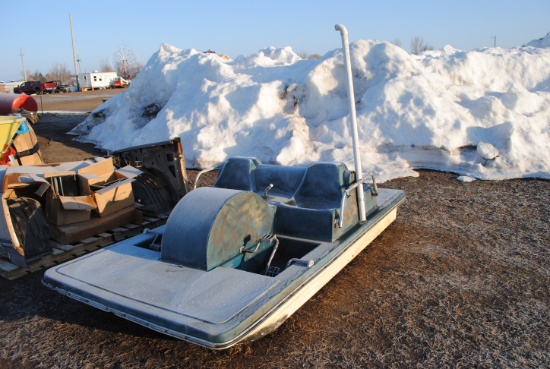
x=137, y=69
x=397, y=42
x=36, y=76
x=26, y=73
x=305, y=56
x=105, y=66
x=58, y=72
x=418, y=45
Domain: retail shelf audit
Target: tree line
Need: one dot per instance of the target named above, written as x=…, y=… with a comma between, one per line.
x=417, y=46
x=60, y=72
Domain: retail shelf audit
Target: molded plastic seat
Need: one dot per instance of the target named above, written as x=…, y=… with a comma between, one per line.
x=285, y=180
x=237, y=174
x=318, y=200
x=308, y=199
x=323, y=186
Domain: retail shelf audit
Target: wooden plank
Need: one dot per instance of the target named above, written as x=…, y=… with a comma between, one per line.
x=13, y=274
x=78, y=231
x=64, y=251
x=149, y=222
x=7, y=267
x=132, y=230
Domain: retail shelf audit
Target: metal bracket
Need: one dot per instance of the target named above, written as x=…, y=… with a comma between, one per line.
x=267, y=189
x=153, y=245
x=265, y=238
x=244, y=250
x=347, y=193
x=301, y=262
x=217, y=166
x=269, y=270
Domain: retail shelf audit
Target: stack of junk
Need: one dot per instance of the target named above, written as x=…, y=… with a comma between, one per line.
x=72, y=201
x=17, y=139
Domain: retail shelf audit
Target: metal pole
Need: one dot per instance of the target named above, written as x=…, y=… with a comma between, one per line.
x=74, y=53
x=355, y=135
x=23, y=62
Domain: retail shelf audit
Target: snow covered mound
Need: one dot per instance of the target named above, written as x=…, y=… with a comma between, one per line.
x=483, y=114
x=541, y=42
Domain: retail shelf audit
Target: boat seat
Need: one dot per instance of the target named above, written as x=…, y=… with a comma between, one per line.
x=314, y=209
x=285, y=180
x=236, y=173
x=307, y=199
x=323, y=186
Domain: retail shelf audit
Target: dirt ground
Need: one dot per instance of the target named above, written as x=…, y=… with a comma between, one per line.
x=461, y=279
x=59, y=113
x=74, y=101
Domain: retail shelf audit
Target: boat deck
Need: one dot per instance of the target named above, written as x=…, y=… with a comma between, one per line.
x=215, y=308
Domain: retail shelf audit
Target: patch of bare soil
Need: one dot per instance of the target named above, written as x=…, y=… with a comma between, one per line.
x=76, y=101
x=461, y=279
x=56, y=145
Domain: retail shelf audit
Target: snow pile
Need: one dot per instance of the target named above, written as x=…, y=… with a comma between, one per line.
x=483, y=114
x=541, y=42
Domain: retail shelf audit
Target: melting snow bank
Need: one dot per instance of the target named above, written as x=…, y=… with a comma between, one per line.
x=483, y=114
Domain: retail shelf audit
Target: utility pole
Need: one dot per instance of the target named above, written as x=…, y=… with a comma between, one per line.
x=494, y=41
x=23, y=62
x=74, y=53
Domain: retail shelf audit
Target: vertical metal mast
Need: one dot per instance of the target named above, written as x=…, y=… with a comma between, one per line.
x=74, y=52
x=23, y=62
x=355, y=135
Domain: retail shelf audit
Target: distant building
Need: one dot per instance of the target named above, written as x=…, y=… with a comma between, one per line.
x=96, y=80
x=8, y=87
x=223, y=56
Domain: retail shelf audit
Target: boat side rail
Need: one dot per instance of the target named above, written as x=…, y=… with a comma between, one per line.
x=347, y=193
x=199, y=174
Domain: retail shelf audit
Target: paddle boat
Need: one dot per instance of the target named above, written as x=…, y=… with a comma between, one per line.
x=235, y=260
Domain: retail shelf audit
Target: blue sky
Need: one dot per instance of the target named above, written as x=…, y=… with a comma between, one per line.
x=241, y=27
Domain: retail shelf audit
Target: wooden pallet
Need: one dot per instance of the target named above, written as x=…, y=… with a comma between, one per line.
x=63, y=252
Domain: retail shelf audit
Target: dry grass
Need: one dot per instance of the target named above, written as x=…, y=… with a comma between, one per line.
x=460, y=280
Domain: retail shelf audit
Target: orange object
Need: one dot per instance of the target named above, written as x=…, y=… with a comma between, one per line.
x=9, y=102
x=5, y=160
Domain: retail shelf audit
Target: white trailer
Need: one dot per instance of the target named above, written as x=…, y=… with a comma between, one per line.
x=96, y=80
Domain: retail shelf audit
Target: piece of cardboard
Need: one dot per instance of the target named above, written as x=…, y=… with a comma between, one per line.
x=21, y=180
x=114, y=197
x=77, y=202
x=28, y=150
x=78, y=208
x=129, y=171
x=111, y=189
x=98, y=172
x=62, y=210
